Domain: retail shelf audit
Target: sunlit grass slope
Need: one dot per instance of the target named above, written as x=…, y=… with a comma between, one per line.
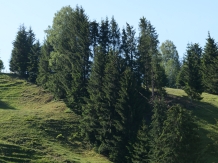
x=206, y=115
x=36, y=128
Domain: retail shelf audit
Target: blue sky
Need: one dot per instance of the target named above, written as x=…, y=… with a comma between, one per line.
x=181, y=21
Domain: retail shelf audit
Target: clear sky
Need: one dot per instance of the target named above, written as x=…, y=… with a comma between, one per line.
x=181, y=21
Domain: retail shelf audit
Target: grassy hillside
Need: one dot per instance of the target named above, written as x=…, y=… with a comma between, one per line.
x=36, y=128
x=206, y=115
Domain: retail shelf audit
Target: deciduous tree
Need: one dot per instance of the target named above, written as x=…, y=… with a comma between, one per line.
x=170, y=61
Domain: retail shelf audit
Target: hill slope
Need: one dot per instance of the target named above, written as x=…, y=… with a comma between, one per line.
x=36, y=128
x=206, y=115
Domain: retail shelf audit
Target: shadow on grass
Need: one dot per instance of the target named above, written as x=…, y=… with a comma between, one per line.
x=4, y=105
x=15, y=153
x=207, y=114
x=202, y=110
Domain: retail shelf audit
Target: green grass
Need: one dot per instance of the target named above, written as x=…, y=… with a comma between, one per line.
x=36, y=128
x=206, y=116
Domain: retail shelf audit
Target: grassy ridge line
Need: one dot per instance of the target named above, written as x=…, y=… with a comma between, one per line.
x=36, y=128
x=206, y=115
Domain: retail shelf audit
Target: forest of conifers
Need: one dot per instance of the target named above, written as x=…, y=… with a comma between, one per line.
x=115, y=81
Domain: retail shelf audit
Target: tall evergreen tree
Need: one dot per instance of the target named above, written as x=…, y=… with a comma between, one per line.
x=158, y=118
x=128, y=51
x=210, y=66
x=114, y=35
x=129, y=111
x=181, y=77
x=141, y=145
x=104, y=35
x=20, y=51
x=81, y=68
x=144, y=57
x=149, y=58
x=70, y=38
x=90, y=122
x=44, y=70
x=94, y=35
x=179, y=137
x=110, y=88
x=192, y=71
x=33, y=62
x=22, y=46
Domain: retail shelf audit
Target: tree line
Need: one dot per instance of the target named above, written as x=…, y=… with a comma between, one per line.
x=115, y=81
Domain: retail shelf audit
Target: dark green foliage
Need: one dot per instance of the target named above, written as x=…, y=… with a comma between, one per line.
x=90, y=123
x=144, y=53
x=34, y=56
x=141, y=145
x=179, y=137
x=148, y=58
x=159, y=78
x=70, y=57
x=21, y=48
x=1, y=65
x=129, y=111
x=44, y=71
x=80, y=68
x=192, y=72
x=210, y=66
x=114, y=35
x=158, y=118
x=104, y=35
x=94, y=35
x=129, y=51
x=131, y=44
x=181, y=77
x=111, y=87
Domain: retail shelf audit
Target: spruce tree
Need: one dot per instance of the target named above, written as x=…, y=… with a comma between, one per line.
x=34, y=56
x=111, y=88
x=94, y=35
x=104, y=35
x=141, y=145
x=91, y=114
x=22, y=46
x=157, y=120
x=114, y=35
x=179, y=138
x=129, y=111
x=210, y=66
x=70, y=57
x=44, y=70
x=181, y=77
x=193, y=77
x=20, y=51
x=80, y=68
x=128, y=45
x=128, y=50
x=144, y=56
x=148, y=58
